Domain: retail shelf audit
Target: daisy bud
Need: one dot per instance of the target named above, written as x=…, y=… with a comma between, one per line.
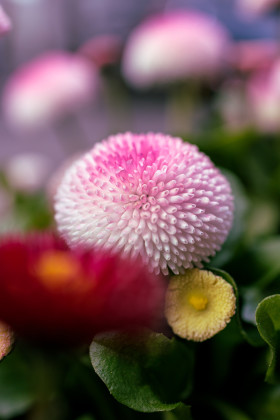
x=199, y=304
x=6, y=340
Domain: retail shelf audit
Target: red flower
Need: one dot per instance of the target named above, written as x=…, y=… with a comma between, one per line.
x=51, y=293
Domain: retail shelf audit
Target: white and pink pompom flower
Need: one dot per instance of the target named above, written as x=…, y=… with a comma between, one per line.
x=263, y=97
x=48, y=87
x=174, y=46
x=5, y=22
x=148, y=195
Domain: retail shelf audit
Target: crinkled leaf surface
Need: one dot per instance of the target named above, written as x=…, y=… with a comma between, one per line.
x=268, y=323
x=148, y=373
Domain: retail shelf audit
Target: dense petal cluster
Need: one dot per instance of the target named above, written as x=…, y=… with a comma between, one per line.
x=174, y=46
x=146, y=194
x=50, y=293
x=199, y=304
x=47, y=87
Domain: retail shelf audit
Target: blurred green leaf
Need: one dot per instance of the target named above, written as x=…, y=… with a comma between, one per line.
x=16, y=391
x=148, y=373
x=229, y=412
x=266, y=259
x=249, y=333
x=241, y=205
x=33, y=211
x=263, y=218
x=266, y=404
x=268, y=324
x=182, y=412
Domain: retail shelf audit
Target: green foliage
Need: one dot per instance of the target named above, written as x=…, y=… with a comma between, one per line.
x=17, y=392
x=147, y=373
x=241, y=206
x=248, y=332
x=268, y=323
x=182, y=412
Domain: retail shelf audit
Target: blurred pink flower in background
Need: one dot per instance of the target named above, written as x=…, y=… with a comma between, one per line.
x=48, y=87
x=254, y=54
x=102, y=50
x=5, y=23
x=148, y=195
x=256, y=7
x=27, y=172
x=231, y=103
x=174, y=46
x=263, y=96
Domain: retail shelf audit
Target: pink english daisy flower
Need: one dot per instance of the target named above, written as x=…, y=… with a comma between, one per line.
x=146, y=194
x=51, y=294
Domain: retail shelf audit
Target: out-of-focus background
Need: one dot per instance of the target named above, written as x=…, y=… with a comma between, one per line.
x=43, y=25
x=73, y=72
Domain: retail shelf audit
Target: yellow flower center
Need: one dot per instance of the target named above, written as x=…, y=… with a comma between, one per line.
x=56, y=268
x=198, y=301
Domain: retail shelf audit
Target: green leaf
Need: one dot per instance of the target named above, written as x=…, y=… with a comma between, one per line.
x=268, y=324
x=86, y=417
x=182, y=412
x=148, y=373
x=266, y=260
x=16, y=390
x=250, y=333
x=229, y=412
x=241, y=205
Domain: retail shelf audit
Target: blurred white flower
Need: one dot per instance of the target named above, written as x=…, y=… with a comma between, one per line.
x=27, y=172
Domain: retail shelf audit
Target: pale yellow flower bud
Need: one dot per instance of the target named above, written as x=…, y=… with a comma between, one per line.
x=6, y=340
x=199, y=304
